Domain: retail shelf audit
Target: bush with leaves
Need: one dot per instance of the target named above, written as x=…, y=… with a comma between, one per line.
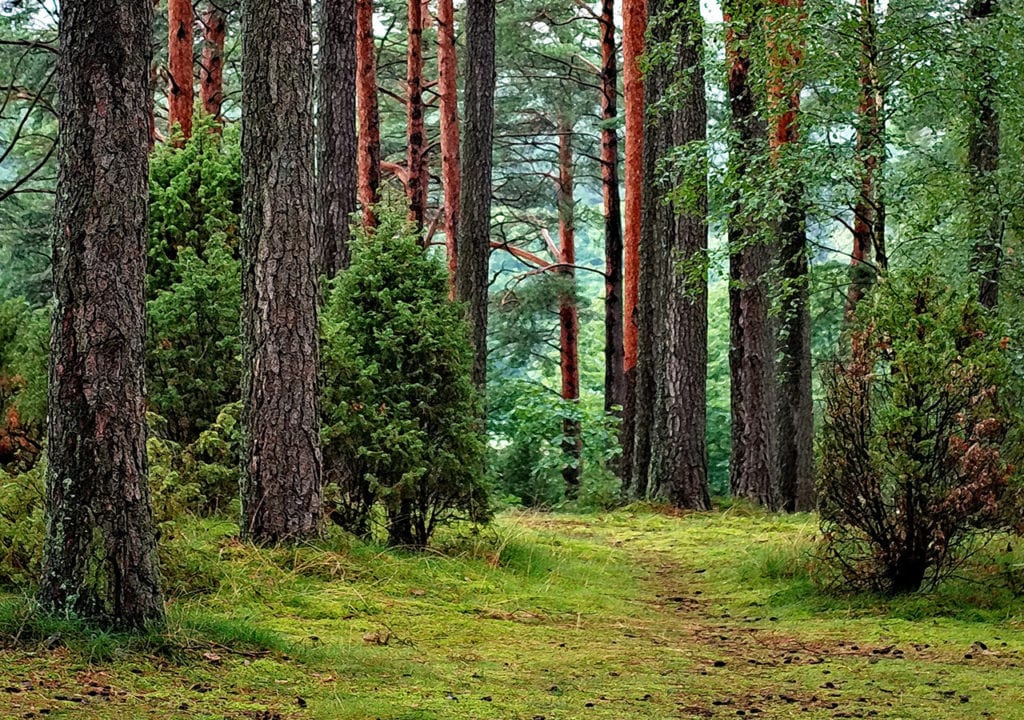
x=24, y=340
x=402, y=428
x=193, y=358
x=913, y=448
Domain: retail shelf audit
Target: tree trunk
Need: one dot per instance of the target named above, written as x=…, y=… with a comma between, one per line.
x=337, y=163
x=416, y=186
x=282, y=493
x=211, y=72
x=983, y=152
x=869, y=210
x=634, y=28
x=180, y=92
x=673, y=280
x=474, y=237
x=752, y=472
x=99, y=560
x=369, y=114
x=795, y=416
x=451, y=179
x=614, y=358
x=568, y=314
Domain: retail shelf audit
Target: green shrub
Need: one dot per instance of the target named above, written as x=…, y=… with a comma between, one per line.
x=913, y=448
x=22, y=525
x=24, y=338
x=402, y=425
x=193, y=353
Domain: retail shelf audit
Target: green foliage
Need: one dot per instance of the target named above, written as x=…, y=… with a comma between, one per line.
x=914, y=444
x=401, y=416
x=194, y=285
x=24, y=336
x=22, y=525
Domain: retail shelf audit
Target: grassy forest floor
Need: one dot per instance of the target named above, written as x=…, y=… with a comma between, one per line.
x=624, y=615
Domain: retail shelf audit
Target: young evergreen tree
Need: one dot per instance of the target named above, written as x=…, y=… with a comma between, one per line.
x=282, y=493
x=100, y=553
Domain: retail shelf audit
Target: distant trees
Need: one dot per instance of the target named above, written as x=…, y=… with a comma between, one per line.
x=100, y=553
x=282, y=482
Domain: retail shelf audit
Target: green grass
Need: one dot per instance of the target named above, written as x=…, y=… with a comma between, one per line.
x=631, y=614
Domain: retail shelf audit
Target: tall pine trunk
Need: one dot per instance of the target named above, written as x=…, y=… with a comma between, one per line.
x=368, y=113
x=451, y=178
x=416, y=162
x=795, y=416
x=614, y=354
x=337, y=149
x=752, y=473
x=99, y=560
x=634, y=28
x=869, y=257
x=983, y=144
x=180, y=91
x=472, y=278
x=282, y=493
x=673, y=280
x=568, y=314
x=211, y=70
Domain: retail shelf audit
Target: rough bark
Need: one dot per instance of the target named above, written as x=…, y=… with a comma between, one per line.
x=568, y=314
x=983, y=147
x=752, y=473
x=180, y=89
x=211, y=70
x=634, y=29
x=474, y=247
x=869, y=210
x=614, y=354
x=282, y=474
x=337, y=146
x=416, y=146
x=368, y=113
x=99, y=560
x=673, y=281
x=795, y=407
x=451, y=178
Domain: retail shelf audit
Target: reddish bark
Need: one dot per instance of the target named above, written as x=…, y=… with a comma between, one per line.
x=451, y=178
x=868, y=212
x=614, y=355
x=368, y=112
x=180, y=92
x=795, y=406
x=634, y=28
x=568, y=313
x=211, y=70
x=416, y=187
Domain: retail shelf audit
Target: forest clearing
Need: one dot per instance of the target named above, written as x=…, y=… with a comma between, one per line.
x=632, y=614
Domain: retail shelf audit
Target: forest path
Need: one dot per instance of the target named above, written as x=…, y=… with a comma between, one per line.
x=630, y=615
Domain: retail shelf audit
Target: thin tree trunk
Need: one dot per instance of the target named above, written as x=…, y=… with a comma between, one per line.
x=180, y=91
x=337, y=147
x=795, y=417
x=673, y=280
x=634, y=28
x=282, y=493
x=211, y=71
x=983, y=147
x=416, y=163
x=368, y=112
x=752, y=473
x=474, y=237
x=614, y=355
x=99, y=559
x=568, y=314
x=451, y=178
x=869, y=210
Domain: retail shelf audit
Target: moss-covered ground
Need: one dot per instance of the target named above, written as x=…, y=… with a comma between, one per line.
x=632, y=614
